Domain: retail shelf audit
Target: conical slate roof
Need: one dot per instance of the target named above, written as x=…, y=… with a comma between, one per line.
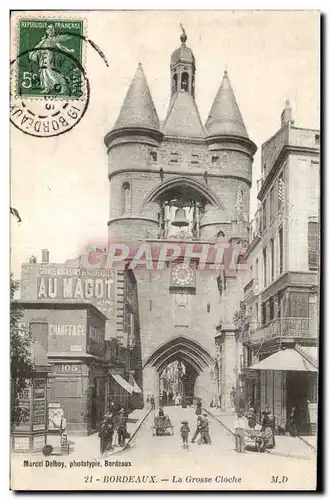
x=138, y=109
x=183, y=118
x=225, y=117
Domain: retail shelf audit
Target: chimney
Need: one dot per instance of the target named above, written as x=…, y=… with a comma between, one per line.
x=286, y=116
x=45, y=256
x=33, y=259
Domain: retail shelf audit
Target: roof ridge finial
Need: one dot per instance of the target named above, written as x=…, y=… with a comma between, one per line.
x=183, y=36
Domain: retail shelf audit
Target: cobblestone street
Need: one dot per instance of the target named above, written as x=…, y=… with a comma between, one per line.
x=218, y=459
x=163, y=459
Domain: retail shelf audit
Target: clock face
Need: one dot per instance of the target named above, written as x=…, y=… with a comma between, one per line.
x=182, y=275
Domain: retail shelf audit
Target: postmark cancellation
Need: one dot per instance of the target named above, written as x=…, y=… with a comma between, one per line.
x=49, y=85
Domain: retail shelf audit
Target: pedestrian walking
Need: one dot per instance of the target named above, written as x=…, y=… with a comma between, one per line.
x=198, y=407
x=184, y=431
x=293, y=422
x=205, y=430
x=268, y=427
x=164, y=398
x=198, y=430
x=112, y=407
x=152, y=402
x=251, y=418
x=106, y=433
x=122, y=428
x=240, y=426
x=177, y=399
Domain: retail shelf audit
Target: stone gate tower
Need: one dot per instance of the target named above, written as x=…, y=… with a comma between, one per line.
x=187, y=183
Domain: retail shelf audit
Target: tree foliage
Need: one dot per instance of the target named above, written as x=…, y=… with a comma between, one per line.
x=20, y=356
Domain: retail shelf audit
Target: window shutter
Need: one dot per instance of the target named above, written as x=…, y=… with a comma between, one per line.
x=313, y=245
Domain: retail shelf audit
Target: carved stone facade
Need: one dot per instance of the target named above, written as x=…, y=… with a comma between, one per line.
x=206, y=170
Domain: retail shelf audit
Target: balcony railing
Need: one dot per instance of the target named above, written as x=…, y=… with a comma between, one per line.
x=251, y=289
x=284, y=327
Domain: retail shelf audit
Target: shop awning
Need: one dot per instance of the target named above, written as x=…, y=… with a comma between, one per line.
x=134, y=384
x=311, y=353
x=124, y=384
x=285, y=360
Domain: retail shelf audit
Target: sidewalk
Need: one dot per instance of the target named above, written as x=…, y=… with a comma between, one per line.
x=82, y=447
x=285, y=445
x=88, y=447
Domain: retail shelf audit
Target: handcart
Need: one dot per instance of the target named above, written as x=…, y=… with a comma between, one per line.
x=162, y=425
x=254, y=438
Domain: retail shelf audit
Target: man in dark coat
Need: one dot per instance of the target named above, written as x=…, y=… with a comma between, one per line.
x=198, y=407
x=293, y=422
x=164, y=398
x=106, y=433
x=122, y=427
x=205, y=430
x=199, y=427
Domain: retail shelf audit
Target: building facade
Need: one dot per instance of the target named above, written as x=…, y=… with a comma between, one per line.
x=282, y=291
x=73, y=338
x=187, y=183
x=88, y=323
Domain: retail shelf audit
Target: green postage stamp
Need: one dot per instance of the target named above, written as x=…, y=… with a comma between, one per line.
x=50, y=58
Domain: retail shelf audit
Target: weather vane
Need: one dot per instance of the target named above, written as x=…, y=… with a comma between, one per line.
x=183, y=36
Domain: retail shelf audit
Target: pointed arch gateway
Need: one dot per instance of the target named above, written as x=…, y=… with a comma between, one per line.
x=181, y=348
x=185, y=184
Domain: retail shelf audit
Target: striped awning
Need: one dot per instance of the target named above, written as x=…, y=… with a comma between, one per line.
x=134, y=384
x=123, y=383
x=285, y=360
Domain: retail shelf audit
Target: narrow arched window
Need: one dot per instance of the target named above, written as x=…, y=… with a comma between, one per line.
x=174, y=83
x=126, y=198
x=185, y=82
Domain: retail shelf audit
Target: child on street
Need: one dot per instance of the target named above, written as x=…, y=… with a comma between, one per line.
x=184, y=431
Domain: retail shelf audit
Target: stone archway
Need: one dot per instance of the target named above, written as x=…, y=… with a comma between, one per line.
x=198, y=361
x=185, y=184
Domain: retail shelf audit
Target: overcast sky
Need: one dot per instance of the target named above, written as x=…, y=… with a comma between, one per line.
x=60, y=185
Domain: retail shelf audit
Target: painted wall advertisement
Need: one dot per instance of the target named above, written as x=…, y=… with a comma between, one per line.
x=63, y=283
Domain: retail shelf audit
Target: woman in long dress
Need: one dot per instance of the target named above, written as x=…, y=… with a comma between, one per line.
x=268, y=427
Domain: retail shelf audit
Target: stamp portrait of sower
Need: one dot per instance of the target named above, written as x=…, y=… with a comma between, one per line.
x=50, y=58
x=51, y=78
x=49, y=85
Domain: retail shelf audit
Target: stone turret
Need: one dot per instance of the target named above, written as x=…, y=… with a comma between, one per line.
x=228, y=142
x=135, y=134
x=225, y=117
x=138, y=115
